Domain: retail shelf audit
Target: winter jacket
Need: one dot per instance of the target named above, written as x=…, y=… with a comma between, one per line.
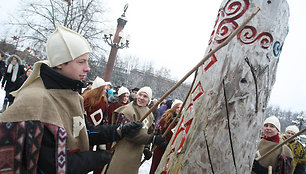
x=299, y=154
x=44, y=130
x=127, y=155
x=2, y=68
x=273, y=158
x=10, y=84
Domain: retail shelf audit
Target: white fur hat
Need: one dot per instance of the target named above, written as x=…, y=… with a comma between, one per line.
x=273, y=120
x=123, y=90
x=147, y=90
x=176, y=101
x=98, y=82
x=65, y=45
x=293, y=128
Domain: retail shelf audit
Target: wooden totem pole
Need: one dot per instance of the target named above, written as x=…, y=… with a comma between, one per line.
x=219, y=129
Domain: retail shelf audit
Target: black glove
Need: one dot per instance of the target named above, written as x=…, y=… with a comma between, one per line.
x=105, y=157
x=147, y=153
x=131, y=129
x=158, y=140
x=259, y=169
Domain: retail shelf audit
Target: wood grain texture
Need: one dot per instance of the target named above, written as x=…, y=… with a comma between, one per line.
x=219, y=129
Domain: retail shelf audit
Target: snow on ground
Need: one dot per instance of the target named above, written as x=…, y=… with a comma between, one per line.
x=2, y=95
x=145, y=167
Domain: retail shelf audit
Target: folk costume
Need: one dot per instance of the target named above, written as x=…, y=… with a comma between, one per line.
x=299, y=154
x=44, y=131
x=127, y=155
x=273, y=159
x=51, y=130
x=280, y=159
x=298, y=151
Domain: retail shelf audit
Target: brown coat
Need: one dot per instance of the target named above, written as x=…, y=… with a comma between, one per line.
x=272, y=159
x=128, y=153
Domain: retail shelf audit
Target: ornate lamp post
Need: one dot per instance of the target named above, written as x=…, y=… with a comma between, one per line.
x=116, y=43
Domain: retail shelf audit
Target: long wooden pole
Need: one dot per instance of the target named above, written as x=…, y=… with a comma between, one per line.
x=280, y=145
x=224, y=43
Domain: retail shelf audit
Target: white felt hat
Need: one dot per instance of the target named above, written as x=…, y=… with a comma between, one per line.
x=273, y=120
x=147, y=90
x=293, y=128
x=65, y=45
x=123, y=90
x=176, y=101
x=98, y=82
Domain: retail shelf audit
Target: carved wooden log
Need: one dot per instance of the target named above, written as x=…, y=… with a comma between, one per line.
x=219, y=129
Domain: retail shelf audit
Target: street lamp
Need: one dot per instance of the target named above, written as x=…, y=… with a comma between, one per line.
x=108, y=38
x=115, y=41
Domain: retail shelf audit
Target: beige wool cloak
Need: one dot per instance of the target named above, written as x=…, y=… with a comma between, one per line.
x=128, y=153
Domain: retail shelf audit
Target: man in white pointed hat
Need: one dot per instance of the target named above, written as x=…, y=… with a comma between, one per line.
x=44, y=130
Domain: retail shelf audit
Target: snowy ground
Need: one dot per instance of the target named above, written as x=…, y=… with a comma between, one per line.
x=145, y=167
x=2, y=95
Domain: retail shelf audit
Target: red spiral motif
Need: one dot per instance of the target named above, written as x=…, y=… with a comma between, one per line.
x=225, y=23
x=248, y=35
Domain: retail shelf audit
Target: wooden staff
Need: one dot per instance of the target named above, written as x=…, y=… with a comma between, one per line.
x=280, y=145
x=225, y=42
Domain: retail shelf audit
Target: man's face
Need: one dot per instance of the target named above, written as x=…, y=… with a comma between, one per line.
x=76, y=69
x=289, y=133
x=269, y=130
x=142, y=99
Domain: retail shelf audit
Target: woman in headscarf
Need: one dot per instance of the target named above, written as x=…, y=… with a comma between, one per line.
x=14, y=70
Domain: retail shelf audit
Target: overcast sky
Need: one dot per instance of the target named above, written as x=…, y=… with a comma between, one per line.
x=175, y=33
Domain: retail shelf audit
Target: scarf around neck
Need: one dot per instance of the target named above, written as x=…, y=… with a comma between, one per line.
x=275, y=138
x=13, y=67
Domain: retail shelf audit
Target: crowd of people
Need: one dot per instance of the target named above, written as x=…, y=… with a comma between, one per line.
x=53, y=123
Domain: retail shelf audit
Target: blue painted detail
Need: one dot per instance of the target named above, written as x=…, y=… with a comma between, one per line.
x=277, y=48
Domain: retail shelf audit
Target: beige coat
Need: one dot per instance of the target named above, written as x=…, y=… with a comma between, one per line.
x=272, y=159
x=128, y=153
x=60, y=107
